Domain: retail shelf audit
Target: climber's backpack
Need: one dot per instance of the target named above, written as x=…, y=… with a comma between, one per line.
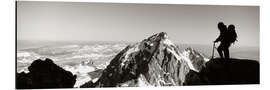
x=232, y=36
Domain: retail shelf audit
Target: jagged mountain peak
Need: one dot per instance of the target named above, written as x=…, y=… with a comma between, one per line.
x=158, y=36
x=158, y=41
x=154, y=61
x=161, y=37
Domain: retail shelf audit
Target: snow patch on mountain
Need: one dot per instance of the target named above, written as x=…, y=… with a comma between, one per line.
x=142, y=81
x=127, y=54
x=81, y=80
x=178, y=57
x=197, y=59
x=168, y=42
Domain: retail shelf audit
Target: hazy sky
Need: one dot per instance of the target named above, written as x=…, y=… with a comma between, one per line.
x=191, y=24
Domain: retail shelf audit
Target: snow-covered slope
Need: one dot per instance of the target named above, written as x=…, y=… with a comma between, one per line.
x=195, y=58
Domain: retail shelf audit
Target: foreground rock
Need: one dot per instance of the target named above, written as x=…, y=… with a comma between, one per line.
x=45, y=74
x=226, y=71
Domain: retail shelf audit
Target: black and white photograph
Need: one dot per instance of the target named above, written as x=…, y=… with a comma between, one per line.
x=98, y=45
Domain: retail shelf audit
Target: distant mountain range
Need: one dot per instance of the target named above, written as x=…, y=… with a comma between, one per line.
x=244, y=52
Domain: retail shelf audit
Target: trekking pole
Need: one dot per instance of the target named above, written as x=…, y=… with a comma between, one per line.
x=213, y=52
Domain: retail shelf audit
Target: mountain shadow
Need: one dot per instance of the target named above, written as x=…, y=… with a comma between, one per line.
x=45, y=74
x=225, y=72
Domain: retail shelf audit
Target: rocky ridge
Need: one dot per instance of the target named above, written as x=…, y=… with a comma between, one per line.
x=154, y=61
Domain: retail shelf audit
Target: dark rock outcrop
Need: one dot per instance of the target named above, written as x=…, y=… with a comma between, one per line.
x=226, y=71
x=45, y=74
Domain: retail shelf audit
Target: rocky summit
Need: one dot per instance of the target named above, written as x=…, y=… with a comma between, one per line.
x=154, y=61
x=45, y=74
x=226, y=72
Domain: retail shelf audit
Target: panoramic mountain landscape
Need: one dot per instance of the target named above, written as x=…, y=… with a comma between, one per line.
x=155, y=61
x=96, y=45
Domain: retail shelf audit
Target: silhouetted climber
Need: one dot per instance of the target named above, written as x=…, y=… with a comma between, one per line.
x=226, y=37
